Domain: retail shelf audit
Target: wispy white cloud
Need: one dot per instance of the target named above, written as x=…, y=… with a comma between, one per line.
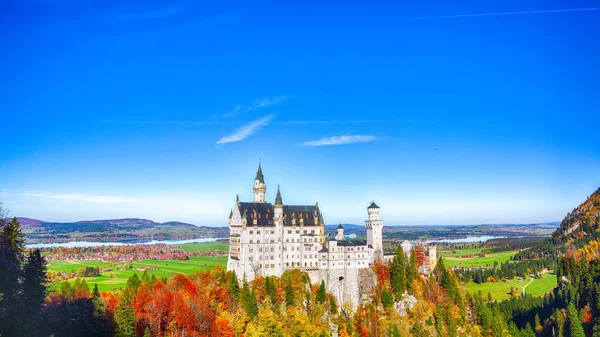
x=232, y=112
x=99, y=199
x=543, y=11
x=236, y=111
x=267, y=102
x=342, y=140
x=246, y=131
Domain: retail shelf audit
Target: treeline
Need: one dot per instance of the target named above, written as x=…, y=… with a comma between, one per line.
x=570, y=310
x=505, y=270
x=507, y=244
x=22, y=282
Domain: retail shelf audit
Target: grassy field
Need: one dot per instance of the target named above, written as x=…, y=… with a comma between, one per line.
x=454, y=260
x=165, y=268
x=501, y=290
x=206, y=246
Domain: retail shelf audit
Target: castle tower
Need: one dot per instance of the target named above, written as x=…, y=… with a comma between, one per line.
x=259, y=186
x=340, y=232
x=374, y=232
x=278, y=206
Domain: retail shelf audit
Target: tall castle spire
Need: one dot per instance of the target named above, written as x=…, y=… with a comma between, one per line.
x=259, y=174
x=278, y=200
x=278, y=207
x=259, y=185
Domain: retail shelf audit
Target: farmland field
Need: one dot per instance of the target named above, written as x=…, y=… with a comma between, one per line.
x=501, y=290
x=454, y=259
x=164, y=268
x=205, y=246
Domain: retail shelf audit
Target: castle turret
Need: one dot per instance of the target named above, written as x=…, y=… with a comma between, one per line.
x=340, y=232
x=374, y=231
x=259, y=185
x=278, y=206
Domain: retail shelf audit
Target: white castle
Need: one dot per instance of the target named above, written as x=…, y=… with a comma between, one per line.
x=267, y=239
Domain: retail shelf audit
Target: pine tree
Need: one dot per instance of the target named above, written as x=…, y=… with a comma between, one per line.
x=270, y=289
x=321, y=292
x=398, y=273
x=387, y=299
x=290, y=298
x=125, y=316
x=575, y=328
x=412, y=271
x=234, y=286
x=394, y=332
x=12, y=248
x=34, y=291
x=96, y=292
x=251, y=305
x=133, y=283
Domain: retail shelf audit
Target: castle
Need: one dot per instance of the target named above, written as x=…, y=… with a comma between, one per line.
x=267, y=239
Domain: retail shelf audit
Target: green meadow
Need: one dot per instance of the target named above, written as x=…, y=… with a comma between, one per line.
x=164, y=268
x=205, y=246
x=501, y=290
x=455, y=260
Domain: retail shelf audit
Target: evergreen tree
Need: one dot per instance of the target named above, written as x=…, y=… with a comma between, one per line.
x=12, y=248
x=394, y=332
x=321, y=292
x=133, y=283
x=251, y=305
x=95, y=292
x=398, y=273
x=290, y=298
x=145, y=277
x=575, y=328
x=125, y=316
x=34, y=292
x=387, y=299
x=412, y=271
x=270, y=289
x=147, y=333
x=234, y=286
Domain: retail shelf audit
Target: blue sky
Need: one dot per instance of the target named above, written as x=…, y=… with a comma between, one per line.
x=443, y=113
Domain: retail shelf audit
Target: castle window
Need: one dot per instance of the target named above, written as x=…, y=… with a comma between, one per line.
x=250, y=241
x=257, y=232
x=290, y=231
x=272, y=232
x=251, y=232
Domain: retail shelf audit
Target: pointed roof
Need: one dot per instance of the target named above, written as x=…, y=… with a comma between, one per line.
x=259, y=174
x=373, y=205
x=278, y=200
x=340, y=226
x=230, y=214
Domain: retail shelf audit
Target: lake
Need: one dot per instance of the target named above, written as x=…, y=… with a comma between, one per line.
x=98, y=244
x=468, y=239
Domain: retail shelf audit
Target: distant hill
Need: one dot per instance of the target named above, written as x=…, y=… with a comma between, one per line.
x=578, y=228
x=111, y=230
x=581, y=225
